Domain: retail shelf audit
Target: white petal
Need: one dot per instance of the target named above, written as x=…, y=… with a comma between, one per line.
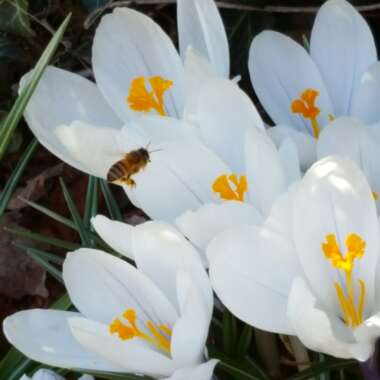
x=343, y=48
x=265, y=174
x=225, y=113
x=202, y=225
x=350, y=138
x=251, y=271
x=107, y=286
x=116, y=234
x=178, y=178
x=290, y=162
x=46, y=374
x=364, y=103
x=44, y=336
x=127, y=45
x=90, y=148
x=191, y=329
x=160, y=251
x=201, y=27
x=306, y=144
x=369, y=332
x=133, y=355
x=61, y=98
x=86, y=377
x=280, y=71
x=318, y=330
x=335, y=198
x=203, y=371
x=197, y=72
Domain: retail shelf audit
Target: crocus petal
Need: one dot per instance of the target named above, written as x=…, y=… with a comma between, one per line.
x=201, y=27
x=128, y=45
x=133, y=355
x=364, y=103
x=44, y=336
x=369, y=332
x=225, y=113
x=61, y=98
x=261, y=277
x=197, y=72
x=203, y=371
x=177, y=172
x=306, y=144
x=202, y=225
x=44, y=374
x=343, y=47
x=118, y=284
x=91, y=149
x=290, y=162
x=191, y=329
x=281, y=70
x=160, y=251
x=318, y=330
x=116, y=234
x=265, y=174
x=350, y=138
x=335, y=198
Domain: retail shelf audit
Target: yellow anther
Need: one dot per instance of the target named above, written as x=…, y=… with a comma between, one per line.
x=158, y=336
x=230, y=187
x=355, y=245
x=142, y=100
x=305, y=105
x=375, y=195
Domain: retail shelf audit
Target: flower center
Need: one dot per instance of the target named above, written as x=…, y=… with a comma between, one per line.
x=230, y=187
x=352, y=313
x=142, y=100
x=375, y=195
x=305, y=106
x=158, y=336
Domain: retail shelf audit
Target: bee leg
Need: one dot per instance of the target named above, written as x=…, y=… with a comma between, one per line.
x=130, y=182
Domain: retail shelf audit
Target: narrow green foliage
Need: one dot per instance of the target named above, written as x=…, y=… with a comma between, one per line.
x=112, y=206
x=229, y=332
x=43, y=259
x=16, y=175
x=79, y=226
x=23, y=232
x=19, y=106
x=244, y=340
x=91, y=204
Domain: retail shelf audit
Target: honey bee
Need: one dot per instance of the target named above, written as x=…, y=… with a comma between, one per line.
x=122, y=171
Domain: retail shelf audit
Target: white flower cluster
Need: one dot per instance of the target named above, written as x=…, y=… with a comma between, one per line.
x=280, y=222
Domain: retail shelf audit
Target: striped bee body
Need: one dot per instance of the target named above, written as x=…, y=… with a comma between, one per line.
x=122, y=171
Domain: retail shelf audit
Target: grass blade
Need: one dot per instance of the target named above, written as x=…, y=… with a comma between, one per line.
x=91, y=204
x=112, y=206
x=23, y=232
x=16, y=175
x=18, y=108
x=78, y=222
x=41, y=258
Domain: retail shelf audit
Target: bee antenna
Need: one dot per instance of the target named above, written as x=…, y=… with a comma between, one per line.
x=156, y=150
x=147, y=146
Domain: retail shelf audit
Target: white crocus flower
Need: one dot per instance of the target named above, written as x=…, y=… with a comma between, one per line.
x=302, y=92
x=311, y=269
x=151, y=320
x=46, y=374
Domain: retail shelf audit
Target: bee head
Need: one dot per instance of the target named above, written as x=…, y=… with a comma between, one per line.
x=145, y=154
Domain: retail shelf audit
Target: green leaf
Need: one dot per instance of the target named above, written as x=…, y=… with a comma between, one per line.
x=91, y=5
x=79, y=226
x=91, y=204
x=328, y=366
x=42, y=258
x=244, y=340
x=14, y=17
x=23, y=232
x=229, y=332
x=112, y=206
x=16, y=174
x=18, y=108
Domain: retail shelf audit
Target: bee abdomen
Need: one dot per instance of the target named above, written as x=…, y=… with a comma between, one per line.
x=117, y=171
